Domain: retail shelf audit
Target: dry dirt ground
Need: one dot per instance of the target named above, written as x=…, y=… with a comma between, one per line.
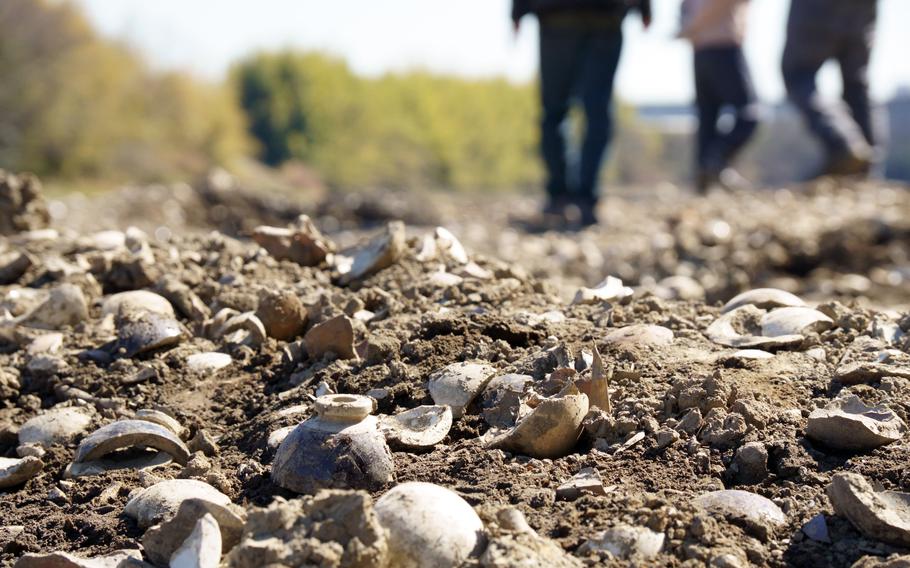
x=845, y=249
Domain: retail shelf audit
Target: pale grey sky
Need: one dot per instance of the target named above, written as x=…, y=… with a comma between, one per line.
x=466, y=37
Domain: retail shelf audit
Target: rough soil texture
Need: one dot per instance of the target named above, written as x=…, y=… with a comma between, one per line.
x=846, y=249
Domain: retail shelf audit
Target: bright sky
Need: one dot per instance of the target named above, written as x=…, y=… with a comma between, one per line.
x=466, y=37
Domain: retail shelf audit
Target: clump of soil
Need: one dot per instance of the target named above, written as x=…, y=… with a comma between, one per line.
x=681, y=412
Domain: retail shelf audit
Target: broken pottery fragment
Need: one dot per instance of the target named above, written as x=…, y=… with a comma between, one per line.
x=429, y=525
x=585, y=482
x=739, y=504
x=160, y=418
x=202, y=548
x=640, y=334
x=341, y=447
x=880, y=515
x=816, y=528
x=116, y=559
x=160, y=541
x=421, y=427
x=751, y=355
x=129, y=433
x=183, y=298
x=626, y=541
x=141, y=333
x=597, y=387
x=141, y=301
x=549, y=430
x=58, y=425
x=45, y=344
x=207, y=362
x=457, y=384
x=519, y=545
x=64, y=306
x=15, y=472
x=501, y=399
x=794, y=321
x=162, y=501
x=764, y=298
x=741, y=328
x=449, y=246
x=609, y=290
x=849, y=424
x=382, y=251
x=243, y=328
x=301, y=242
x=332, y=336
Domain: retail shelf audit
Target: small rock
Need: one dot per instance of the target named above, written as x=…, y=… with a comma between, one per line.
x=161, y=501
x=332, y=336
x=750, y=464
x=849, y=424
x=816, y=528
x=46, y=344
x=160, y=541
x=640, y=334
x=625, y=541
x=282, y=314
x=141, y=301
x=758, y=513
x=691, y=422
x=457, y=384
x=666, y=437
x=207, y=362
x=202, y=549
x=65, y=306
x=609, y=290
x=116, y=559
x=379, y=253
x=880, y=515
x=15, y=472
x=58, y=425
x=429, y=525
x=204, y=442
x=587, y=481
x=301, y=243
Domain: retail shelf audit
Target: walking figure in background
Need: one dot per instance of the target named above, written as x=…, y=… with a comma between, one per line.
x=716, y=29
x=842, y=30
x=580, y=45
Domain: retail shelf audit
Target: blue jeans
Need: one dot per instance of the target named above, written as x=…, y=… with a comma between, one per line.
x=576, y=61
x=722, y=81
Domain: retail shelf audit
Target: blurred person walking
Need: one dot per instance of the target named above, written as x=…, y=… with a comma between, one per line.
x=580, y=45
x=716, y=29
x=842, y=30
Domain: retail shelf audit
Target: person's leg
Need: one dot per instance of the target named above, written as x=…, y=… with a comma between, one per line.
x=559, y=48
x=597, y=74
x=737, y=92
x=854, y=65
x=708, y=112
x=809, y=44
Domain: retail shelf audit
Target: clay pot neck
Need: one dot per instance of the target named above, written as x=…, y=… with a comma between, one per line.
x=344, y=408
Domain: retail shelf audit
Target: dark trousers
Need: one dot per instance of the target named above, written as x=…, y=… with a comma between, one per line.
x=580, y=62
x=722, y=81
x=844, y=32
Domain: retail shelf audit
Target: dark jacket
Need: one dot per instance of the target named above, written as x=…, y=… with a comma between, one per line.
x=617, y=8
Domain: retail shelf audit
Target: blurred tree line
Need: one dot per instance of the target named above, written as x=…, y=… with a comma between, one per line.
x=75, y=105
